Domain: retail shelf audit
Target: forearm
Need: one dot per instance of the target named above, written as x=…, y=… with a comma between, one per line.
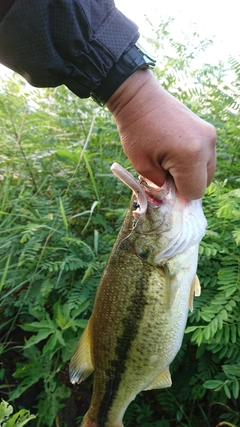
x=69, y=42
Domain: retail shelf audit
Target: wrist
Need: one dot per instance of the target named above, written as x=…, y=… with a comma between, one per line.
x=135, y=97
x=135, y=58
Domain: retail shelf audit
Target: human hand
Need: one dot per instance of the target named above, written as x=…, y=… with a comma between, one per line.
x=159, y=134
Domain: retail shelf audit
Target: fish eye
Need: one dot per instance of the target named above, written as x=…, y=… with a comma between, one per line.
x=144, y=255
x=136, y=204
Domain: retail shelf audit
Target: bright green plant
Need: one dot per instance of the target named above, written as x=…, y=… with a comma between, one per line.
x=8, y=419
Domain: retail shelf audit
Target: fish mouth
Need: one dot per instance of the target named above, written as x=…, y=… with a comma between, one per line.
x=146, y=192
x=154, y=194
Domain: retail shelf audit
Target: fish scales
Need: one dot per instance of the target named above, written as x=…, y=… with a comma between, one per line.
x=140, y=312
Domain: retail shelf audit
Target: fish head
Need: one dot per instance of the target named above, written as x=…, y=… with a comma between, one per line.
x=164, y=222
x=172, y=223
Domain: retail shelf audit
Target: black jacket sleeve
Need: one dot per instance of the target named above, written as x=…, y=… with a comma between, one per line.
x=71, y=42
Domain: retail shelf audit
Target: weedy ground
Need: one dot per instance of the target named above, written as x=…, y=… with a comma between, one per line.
x=60, y=212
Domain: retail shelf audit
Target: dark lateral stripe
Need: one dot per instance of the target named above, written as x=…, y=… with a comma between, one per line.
x=130, y=324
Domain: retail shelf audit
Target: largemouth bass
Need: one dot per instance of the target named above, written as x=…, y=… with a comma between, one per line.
x=141, y=306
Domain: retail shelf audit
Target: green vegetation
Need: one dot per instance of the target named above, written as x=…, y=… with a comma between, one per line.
x=8, y=419
x=60, y=212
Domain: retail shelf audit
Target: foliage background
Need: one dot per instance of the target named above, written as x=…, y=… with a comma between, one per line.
x=60, y=212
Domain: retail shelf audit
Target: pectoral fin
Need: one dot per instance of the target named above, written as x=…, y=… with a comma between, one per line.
x=81, y=363
x=163, y=380
x=195, y=291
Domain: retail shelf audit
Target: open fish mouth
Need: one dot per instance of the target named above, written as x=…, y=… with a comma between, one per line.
x=144, y=190
x=154, y=194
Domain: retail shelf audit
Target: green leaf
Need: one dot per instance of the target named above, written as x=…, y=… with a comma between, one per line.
x=207, y=332
x=229, y=291
x=226, y=333
x=27, y=382
x=233, y=334
x=235, y=389
x=35, y=326
x=213, y=384
x=48, y=408
x=5, y=410
x=35, y=339
x=236, y=235
x=4, y=275
x=206, y=316
x=80, y=308
x=224, y=314
x=190, y=329
x=50, y=345
x=232, y=371
x=81, y=323
x=63, y=214
x=227, y=391
x=19, y=419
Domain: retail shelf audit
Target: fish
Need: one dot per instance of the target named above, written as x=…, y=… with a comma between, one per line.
x=142, y=302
